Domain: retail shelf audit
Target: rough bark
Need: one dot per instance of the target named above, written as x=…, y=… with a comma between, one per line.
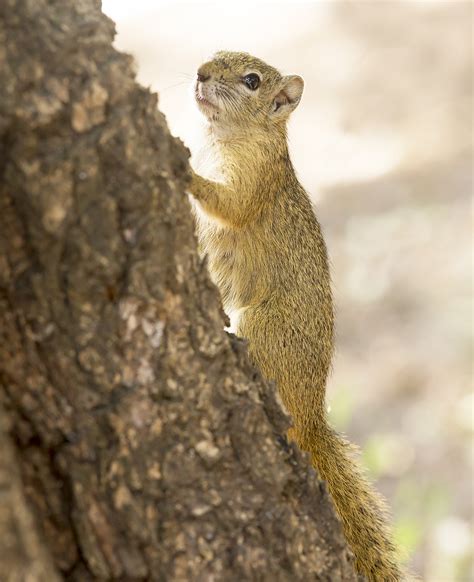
x=141, y=443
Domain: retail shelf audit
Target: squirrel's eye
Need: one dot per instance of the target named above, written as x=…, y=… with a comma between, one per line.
x=252, y=81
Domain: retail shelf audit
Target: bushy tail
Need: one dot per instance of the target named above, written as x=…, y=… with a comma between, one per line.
x=361, y=509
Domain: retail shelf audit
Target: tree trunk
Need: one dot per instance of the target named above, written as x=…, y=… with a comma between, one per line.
x=137, y=442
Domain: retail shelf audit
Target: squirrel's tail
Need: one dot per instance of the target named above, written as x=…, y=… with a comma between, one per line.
x=361, y=509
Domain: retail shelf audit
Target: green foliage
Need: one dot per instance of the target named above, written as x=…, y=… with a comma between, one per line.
x=407, y=534
x=341, y=408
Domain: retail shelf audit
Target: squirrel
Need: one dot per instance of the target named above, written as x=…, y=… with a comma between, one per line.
x=268, y=258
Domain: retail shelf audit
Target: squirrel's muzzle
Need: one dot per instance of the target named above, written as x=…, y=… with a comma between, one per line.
x=202, y=77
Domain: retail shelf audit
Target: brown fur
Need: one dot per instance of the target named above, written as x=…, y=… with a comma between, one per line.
x=268, y=258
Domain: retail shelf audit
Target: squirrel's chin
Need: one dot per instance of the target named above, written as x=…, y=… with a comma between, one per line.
x=205, y=105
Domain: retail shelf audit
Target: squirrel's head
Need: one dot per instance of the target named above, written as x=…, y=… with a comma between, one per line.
x=237, y=90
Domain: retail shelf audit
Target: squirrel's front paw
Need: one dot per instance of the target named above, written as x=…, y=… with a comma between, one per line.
x=194, y=185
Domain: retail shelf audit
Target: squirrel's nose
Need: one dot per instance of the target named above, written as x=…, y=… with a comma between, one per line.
x=202, y=77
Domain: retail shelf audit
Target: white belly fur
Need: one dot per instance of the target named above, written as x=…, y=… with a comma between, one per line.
x=234, y=316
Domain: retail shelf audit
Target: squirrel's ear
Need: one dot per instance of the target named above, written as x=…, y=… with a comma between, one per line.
x=288, y=96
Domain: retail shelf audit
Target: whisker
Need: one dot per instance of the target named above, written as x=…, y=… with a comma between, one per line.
x=228, y=97
x=174, y=85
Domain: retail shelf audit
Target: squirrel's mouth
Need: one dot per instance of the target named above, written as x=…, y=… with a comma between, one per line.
x=201, y=100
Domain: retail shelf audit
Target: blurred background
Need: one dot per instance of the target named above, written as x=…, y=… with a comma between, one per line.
x=382, y=140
